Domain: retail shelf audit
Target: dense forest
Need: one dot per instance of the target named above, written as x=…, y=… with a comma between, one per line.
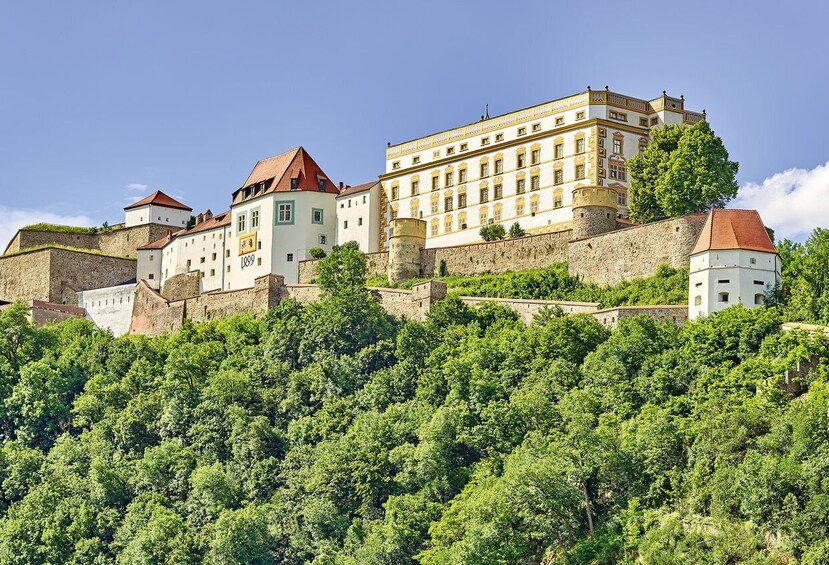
x=333, y=434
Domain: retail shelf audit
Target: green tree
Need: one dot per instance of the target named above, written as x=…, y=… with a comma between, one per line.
x=492, y=232
x=683, y=170
x=515, y=230
x=343, y=270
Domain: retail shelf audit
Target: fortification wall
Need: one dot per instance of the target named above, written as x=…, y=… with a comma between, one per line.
x=119, y=241
x=181, y=286
x=531, y=252
x=84, y=271
x=25, y=277
x=527, y=309
x=376, y=264
x=109, y=308
x=610, y=317
x=634, y=252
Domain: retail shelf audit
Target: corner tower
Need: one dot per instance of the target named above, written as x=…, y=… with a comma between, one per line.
x=594, y=211
x=407, y=240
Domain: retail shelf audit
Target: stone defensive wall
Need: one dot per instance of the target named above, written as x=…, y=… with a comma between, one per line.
x=45, y=274
x=606, y=259
x=154, y=314
x=118, y=240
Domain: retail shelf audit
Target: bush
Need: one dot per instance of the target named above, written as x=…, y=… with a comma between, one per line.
x=317, y=253
x=515, y=230
x=493, y=232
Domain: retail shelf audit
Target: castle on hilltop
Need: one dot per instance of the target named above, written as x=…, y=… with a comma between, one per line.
x=557, y=169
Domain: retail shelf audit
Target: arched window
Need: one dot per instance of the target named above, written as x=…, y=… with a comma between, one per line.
x=534, y=204
x=519, y=206
x=462, y=221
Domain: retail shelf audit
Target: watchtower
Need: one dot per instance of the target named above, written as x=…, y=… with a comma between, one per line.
x=406, y=241
x=594, y=211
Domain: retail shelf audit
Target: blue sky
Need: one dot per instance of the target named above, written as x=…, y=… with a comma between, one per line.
x=104, y=101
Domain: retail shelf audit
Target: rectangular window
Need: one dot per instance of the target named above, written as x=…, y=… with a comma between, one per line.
x=519, y=208
x=461, y=200
x=617, y=146
x=643, y=122
x=450, y=150
x=447, y=225
x=579, y=171
x=760, y=283
x=241, y=223
x=558, y=176
x=580, y=145
x=295, y=182
x=395, y=166
x=623, y=198
x=484, y=195
x=316, y=216
x=464, y=146
x=360, y=221
x=496, y=215
x=560, y=121
x=534, y=206
x=535, y=156
x=290, y=257
x=323, y=239
x=434, y=206
x=450, y=179
x=345, y=224
x=321, y=185
x=415, y=187
x=499, y=166
x=520, y=186
x=536, y=127
x=522, y=131
x=559, y=151
x=254, y=219
x=395, y=192
x=499, y=191
x=580, y=115
x=485, y=170
x=415, y=160
x=435, y=183
x=557, y=201
x=212, y=272
x=521, y=159
x=284, y=212
x=484, y=141
x=499, y=137
x=447, y=204
x=654, y=121
x=462, y=176
x=724, y=281
x=535, y=182
x=434, y=229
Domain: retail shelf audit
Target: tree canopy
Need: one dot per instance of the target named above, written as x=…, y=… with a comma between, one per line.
x=683, y=170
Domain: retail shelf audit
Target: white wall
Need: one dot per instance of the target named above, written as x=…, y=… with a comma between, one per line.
x=358, y=219
x=277, y=241
x=203, y=251
x=729, y=271
x=149, y=266
x=151, y=214
x=109, y=308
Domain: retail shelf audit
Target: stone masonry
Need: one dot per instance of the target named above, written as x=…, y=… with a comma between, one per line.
x=117, y=240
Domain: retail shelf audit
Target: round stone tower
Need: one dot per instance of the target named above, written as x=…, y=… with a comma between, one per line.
x=406, y=241
x=594, y=211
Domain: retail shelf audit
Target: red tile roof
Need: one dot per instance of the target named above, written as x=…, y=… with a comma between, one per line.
x=158, y=198
x=734, y=229
x=359, y=188
x=217, y=221
x=277, y=172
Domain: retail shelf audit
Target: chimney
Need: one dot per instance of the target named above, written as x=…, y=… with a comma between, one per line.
x=169, y=234
x=208, y=215
x=341, y=186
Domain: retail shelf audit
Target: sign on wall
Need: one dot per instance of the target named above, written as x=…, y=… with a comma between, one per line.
x=247, y=243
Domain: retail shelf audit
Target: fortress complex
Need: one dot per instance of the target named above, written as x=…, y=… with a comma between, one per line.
x=558, y=169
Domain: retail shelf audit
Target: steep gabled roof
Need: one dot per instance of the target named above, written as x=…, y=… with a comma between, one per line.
x=359, y=188
x=277, y=172
x=158, y=198
x=734, y=229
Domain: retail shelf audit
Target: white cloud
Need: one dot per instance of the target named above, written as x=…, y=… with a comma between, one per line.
x=16, y=219
x=792, y=203
x=137, y=187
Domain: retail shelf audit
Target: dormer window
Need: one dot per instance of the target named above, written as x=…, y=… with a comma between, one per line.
x=321, y=185
x=295, y=183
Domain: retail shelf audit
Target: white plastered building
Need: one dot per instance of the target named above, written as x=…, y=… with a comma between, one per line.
x=523, y=166
x=157, y=208
x=733, y=262
x=358, y=216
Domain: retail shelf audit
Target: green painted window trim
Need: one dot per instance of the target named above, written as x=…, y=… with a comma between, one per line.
x=250, y=217
x=236, y=223
x=322, y=215
x=276, y=212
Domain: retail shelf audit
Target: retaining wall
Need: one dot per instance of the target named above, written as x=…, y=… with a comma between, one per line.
x=118, y=240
